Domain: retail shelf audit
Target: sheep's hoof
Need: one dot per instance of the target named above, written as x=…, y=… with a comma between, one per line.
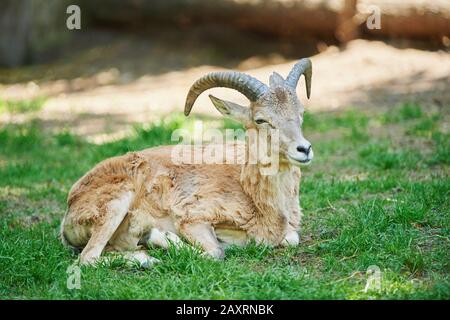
x=150, y=261
x=217, y=254
x=142, y=259
x=291, y=239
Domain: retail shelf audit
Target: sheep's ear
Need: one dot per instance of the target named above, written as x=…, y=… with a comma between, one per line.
x=276, y=80
x=232, y=110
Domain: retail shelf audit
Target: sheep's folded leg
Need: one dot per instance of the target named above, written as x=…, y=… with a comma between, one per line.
x=203, y=235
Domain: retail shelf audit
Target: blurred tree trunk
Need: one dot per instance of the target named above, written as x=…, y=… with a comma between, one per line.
x=31, y=30
x=15, y=19
x=276, y=17
x=412, y=19
x=344, y=19
x=347, y=27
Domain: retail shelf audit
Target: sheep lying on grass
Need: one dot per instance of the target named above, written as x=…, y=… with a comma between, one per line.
x=125, y=201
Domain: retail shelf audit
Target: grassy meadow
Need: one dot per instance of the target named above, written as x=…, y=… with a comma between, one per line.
x=376, y=194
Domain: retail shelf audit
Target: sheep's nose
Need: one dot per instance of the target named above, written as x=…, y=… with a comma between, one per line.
x=304, y=149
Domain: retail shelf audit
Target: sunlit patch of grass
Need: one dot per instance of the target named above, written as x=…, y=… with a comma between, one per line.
x=404, y=112
x=67, y=139
x=382, y=156
x=358, y=134
x=441, y=153
x=325, y=121
x=21, y=106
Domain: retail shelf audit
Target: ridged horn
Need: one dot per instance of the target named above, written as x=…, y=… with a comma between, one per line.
x=304, y=66
x=250, y=87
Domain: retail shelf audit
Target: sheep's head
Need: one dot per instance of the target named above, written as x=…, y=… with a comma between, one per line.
x=271, y=107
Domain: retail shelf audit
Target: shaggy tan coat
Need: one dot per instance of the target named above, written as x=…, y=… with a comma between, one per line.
x=235, y=202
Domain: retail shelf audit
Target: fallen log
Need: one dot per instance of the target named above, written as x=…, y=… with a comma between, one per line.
x=415, y=19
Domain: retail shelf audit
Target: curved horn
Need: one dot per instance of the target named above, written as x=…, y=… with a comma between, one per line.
x=304, y=66
x=250, y=87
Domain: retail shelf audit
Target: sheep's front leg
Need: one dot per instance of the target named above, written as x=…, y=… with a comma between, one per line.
x=203, y=234
x=292, y=237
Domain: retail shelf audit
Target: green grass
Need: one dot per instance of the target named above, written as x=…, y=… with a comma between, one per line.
x=21, y=106
x=377, y=193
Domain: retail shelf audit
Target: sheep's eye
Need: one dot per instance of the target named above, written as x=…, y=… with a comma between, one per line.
x=260, y=121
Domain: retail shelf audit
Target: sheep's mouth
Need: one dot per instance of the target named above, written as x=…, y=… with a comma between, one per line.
x=299, y=162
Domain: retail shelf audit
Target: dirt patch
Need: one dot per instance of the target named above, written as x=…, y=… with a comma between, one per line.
x=26, y=212
x=107, y=98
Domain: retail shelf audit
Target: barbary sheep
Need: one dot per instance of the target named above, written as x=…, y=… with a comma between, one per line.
x=144, y=197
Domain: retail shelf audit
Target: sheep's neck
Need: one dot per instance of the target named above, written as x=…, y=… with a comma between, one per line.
x=273, y=196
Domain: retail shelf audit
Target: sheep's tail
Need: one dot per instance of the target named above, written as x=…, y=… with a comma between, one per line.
x=64, y=240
